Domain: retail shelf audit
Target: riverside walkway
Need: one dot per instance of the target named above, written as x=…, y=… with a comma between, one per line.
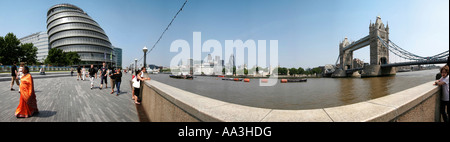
x=64, y=99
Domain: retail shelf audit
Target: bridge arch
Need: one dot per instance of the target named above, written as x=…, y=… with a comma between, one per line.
x=383, y=60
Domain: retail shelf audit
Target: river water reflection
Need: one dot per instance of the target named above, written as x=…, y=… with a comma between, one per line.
x=316, y=93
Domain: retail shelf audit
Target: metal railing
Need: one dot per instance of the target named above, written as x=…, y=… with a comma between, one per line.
x=7, y=68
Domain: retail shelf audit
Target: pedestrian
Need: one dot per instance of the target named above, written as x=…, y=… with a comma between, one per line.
x=71, y=71
x=132, y=88
x=443, y=81
x=78, y=72
x=83, y=72
x=112, y=79
x=14, y=74
x=103, y=72
x=92, y=75
x=141, y=74
x=20, y=73
x=118, y=80
x=42, y=71
x=137, y=83
x=27, y=104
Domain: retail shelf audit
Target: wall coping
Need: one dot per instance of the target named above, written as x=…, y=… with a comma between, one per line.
x=382, y=109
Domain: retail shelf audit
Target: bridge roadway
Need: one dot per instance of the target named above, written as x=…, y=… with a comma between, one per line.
x=64, y=99
x=422, y=62
x=440, y=61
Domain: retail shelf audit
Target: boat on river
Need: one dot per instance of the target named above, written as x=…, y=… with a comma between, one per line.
x=293, y=80
x=181, y=76
x=233, y=79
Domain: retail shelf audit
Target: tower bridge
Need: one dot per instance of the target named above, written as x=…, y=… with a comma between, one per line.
x=380, y=48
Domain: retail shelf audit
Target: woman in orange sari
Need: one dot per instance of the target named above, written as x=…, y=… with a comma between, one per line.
x=28, y=104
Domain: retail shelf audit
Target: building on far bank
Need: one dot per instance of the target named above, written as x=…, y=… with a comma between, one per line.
x=40, y=41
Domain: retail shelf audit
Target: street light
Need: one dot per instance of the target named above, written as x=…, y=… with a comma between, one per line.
x=145, y=56
x=135, y=64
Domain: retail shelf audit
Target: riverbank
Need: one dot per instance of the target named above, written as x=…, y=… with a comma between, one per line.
x=264, y=77
x=316, y=93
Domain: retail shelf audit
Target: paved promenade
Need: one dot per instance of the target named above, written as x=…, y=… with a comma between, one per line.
x=64, y=99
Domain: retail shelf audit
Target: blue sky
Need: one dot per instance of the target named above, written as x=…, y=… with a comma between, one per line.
x=308, y=31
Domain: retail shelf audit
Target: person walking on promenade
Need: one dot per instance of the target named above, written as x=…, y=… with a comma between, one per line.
x=20, y=71
x=19, y=76
x=103, y=76
x=27, y=104
x=112, y=79
x=78, y=72
x=443, y=81
x=92, y=75
x=42, y=71
x=14, y=76
x=118, y=80
x=83, y=72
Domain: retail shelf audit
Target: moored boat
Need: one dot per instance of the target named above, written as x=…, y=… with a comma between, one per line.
x=293, y=80
x=181, y=76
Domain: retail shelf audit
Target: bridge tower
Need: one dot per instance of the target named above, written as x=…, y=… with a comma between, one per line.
x=378, y=54
x=346, y=55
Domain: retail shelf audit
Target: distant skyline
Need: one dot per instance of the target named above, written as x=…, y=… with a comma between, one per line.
x=308, y=31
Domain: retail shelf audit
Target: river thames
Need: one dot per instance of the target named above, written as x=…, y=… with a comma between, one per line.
x=313, y=94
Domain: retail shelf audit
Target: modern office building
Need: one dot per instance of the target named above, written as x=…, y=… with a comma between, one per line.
x=118, y=52
x=40, y=41
x=71, y=29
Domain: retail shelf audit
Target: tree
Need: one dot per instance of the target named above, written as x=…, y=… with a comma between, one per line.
x=308, y=71
x=257, y=70
x=55, y=57
x=300, y=70
x=316, y=70
x=72, y=58
x=2, y=42
x=28, y=51
x=245, y=71
x=292, y=71
x=9, y=49
x=282, y=71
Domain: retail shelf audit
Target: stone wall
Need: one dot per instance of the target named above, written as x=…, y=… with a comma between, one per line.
x=164, y=103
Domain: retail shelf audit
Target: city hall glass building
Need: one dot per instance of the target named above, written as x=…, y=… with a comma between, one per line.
x=69, y=28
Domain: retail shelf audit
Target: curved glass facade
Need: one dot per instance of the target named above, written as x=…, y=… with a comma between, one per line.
x=69, y=28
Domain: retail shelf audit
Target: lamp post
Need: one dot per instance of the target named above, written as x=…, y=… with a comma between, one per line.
x=145, y=55
x=135, y=64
